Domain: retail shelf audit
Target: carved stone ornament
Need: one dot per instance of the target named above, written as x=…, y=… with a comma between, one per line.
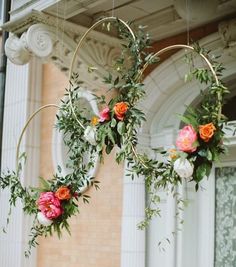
x=45, y=37
x=38, y=40
x=35, y=41
x=227, y=31
x=15, y=51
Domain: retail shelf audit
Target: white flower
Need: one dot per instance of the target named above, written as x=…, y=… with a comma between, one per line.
x=183, y=168
x=43, y=219
x=90, y=135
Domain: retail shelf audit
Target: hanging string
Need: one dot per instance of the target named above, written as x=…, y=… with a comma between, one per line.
x=113, y=8
x=57, y=28
x=187, y=19
x=63, y=28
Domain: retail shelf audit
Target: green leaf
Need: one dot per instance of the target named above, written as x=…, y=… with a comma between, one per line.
x=99, y=147
x=91, y=69
x=116, y=80
x=121, y=127
x=59, y=168
x=45, y=184
x=113, y=123
x=209, y=155
x=111, y=137
x=203, y=170
x=109, y=149
x=188, y=120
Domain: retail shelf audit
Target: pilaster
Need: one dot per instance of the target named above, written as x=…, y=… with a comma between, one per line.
x=23, y=87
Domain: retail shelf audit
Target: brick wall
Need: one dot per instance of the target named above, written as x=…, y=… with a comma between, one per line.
x=96, y=231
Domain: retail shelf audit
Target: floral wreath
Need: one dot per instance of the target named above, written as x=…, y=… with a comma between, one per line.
x=199, y=143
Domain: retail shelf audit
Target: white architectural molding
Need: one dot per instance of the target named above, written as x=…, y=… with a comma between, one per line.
x=166, y=97
x=59, y=152
x=24, y=83
x=36, y=41
x=15, y=51
x=196, y=10
x=54, y=7
x=160, y=16
x=132, y=239
x=227, y=31
x=45, y=36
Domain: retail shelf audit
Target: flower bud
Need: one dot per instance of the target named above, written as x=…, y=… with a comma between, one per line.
x=90, y=135
x=183, y=168
x=43, y=219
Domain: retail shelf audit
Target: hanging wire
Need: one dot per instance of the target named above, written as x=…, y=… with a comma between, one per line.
x=63, y=27
x=187, y=19
x=113, y=8
x=57, y=28
x=187, y=31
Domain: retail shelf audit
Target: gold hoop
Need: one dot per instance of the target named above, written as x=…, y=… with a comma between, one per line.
x=79, y=46
x=177, y=46
x=25, y=127
x=89, y=30
x=70, y=74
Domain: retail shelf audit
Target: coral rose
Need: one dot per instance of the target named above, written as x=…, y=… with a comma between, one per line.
x=186, y=140
x=206, y=131
x=104, y=115
x=63, y=193
x=49, y=205
x=120, y=110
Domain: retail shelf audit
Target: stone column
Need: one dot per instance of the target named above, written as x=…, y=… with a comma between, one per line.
x=23, y=96
x=132, y=239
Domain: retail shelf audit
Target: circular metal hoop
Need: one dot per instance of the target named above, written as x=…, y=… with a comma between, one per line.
x=83, y=38
x=95, y=25
x=139, y=76
x=177, y=46
x=70, y=74
x=25, y=127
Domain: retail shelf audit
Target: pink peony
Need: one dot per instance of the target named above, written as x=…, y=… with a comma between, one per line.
x=186, y=139
x=104, y=115
x=49, y=205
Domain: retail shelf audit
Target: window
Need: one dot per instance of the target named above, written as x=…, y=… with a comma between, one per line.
x=225, y=217
x=60, y=153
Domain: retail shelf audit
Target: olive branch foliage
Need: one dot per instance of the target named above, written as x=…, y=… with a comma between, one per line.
x=129, y=88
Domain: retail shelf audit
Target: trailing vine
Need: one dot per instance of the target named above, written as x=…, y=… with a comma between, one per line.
x=198, y=145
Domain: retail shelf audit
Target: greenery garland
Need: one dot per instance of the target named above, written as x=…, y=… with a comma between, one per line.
x=198, y=145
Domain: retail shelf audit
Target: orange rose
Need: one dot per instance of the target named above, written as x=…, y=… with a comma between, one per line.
x=63, y=193
x=120, y=109
x=206, y=131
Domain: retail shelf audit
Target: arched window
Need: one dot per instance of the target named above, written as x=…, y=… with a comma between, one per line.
x=60, y=153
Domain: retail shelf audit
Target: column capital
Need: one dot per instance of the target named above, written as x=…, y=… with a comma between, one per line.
x=55, y=39
x=36, y=41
